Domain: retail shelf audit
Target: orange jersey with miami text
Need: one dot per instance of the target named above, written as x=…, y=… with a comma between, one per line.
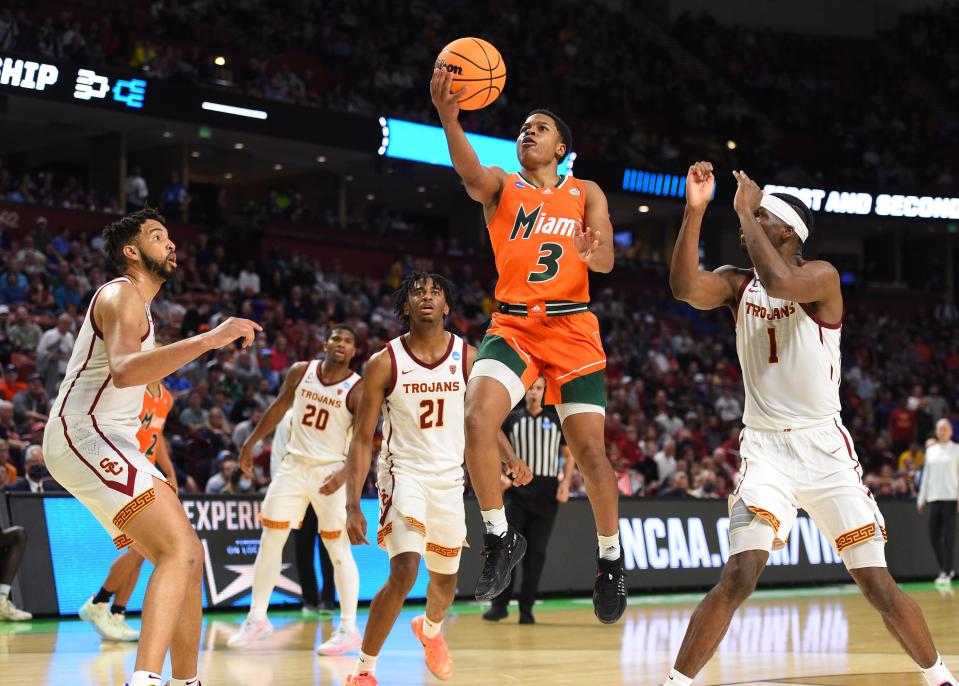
x=532, y=235
x=152, y=420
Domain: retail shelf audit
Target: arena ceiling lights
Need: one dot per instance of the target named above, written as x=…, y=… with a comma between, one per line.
x=406, y=140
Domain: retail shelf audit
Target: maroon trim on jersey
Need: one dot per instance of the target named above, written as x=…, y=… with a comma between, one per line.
x=93, y=302
x=395, y=374
x=127, y=488
x=149, y=328
x=319, y=376
x=449, y=349
x=739, y=296
x=346, y=402
x=96, y=399
x=812, y=315
x=856, y=464
x=465, y=351
x=73, y=383
x=743, y=480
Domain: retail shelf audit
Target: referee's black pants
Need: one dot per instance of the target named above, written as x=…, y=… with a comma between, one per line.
x=942, y=531
x=304, y=540
x=531, y=510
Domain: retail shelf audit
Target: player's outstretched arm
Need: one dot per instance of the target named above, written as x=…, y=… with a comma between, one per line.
x=702, y=290
x=595, y=239
x=483, y=184
x=810, y=282
x=119, y=314
x=273, y=415
x=376, y=380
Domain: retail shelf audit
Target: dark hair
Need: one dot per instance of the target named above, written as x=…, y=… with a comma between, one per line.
x=402, y=294
x=800, y=208
x=565, y=133
x=342, y=327
x=122, y=233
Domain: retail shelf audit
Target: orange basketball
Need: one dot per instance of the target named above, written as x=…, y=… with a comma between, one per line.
x=475, y=63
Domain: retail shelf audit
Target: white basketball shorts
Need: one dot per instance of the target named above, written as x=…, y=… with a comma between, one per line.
x=423, y=516
x=815, y=469
x=297, y=484
x=101, y=465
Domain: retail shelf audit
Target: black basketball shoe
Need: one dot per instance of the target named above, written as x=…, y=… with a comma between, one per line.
x=502, y=554
x=609, y=592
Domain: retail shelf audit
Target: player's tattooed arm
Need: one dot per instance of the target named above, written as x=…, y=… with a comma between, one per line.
x=702, y=289
x=377, y=381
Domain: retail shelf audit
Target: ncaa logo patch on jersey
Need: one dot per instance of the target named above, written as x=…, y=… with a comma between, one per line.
x=456, y=356
x=519, y=184
x=574, y=191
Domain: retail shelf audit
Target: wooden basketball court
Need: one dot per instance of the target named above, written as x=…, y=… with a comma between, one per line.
x=814, y=637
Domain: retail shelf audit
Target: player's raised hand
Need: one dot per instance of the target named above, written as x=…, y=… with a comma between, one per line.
x=585, y=240
x=700, y=185
x=356, y=526
x=232, y=329
x=748, y=193
x=518, y=471
x=445, y=101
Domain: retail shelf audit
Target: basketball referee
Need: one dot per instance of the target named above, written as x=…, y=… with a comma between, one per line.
x=534, y=434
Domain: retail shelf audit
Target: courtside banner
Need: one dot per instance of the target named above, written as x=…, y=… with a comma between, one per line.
x=69, y=554
x=667, y=545
x=683, y=544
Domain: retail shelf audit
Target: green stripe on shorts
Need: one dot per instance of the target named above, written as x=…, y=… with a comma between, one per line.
x=589, y=389
x=494, y=347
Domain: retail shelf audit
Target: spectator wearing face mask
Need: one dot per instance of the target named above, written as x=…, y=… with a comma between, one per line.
x=37, y=479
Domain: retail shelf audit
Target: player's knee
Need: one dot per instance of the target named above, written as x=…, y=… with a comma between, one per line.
x=591, y=458
x=403, y=570
x=477, y=423
x=739, y=577
x=878, y=587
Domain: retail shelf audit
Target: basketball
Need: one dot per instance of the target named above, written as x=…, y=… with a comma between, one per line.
x=474, y=62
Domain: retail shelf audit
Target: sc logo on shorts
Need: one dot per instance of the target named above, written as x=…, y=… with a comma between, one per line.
x=111, y=467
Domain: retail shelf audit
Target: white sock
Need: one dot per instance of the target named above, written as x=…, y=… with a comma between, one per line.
x=266, y=570
x=365, y=663
x=608, y=546
x=938, y=674
x=143, y=678
x=495, y=521
x=4, y=590
x=347, y=578
x=675, y=678
x=430, y=629
x=195, y=681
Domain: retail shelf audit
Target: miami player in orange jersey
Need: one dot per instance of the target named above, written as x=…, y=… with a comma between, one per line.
x=110, y=620
x=548, y=232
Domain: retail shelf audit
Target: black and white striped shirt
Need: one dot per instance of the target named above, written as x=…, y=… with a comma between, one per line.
x=536, y=440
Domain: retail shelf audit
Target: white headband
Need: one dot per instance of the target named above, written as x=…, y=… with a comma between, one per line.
x=785, y=211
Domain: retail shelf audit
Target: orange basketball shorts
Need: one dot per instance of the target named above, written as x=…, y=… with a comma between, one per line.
x=565, y=349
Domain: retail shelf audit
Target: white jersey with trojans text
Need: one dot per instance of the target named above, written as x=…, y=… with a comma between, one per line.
x=322, y=425
x=790, y=361
x=423, y=413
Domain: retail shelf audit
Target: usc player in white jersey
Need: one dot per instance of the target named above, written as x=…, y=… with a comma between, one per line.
x=322, y=397
x=419, y=383
x=795, y=450
x=91, y=448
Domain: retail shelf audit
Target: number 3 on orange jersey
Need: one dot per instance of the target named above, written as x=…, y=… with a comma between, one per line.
x=549, y=254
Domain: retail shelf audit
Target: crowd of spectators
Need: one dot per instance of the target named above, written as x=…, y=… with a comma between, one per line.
x=674, y=387
x=50, y=188
x=871, y=111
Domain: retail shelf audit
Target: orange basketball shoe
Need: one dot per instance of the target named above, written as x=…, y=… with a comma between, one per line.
x=435, y=650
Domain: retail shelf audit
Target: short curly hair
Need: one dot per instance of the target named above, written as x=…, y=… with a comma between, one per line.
x=123, y=232
x=401, y=295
